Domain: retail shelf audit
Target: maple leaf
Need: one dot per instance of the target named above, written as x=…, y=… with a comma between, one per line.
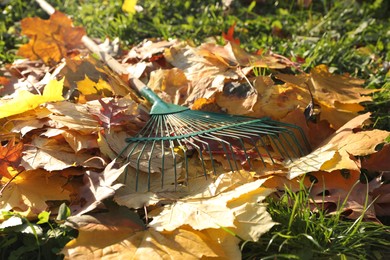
x=345, y=192
x=340, y=149
x=54, y=154
x=229, y=36
x=236, y=208
x=378, y=161
x=25, y=101
x=113, y=114
x=110, y=239
x=72, y=116
x=30, y=190
x=172, y=81
x=338, y=95
x=97, y=187
x=92, y=78
x=10, y=155
x=49, y=39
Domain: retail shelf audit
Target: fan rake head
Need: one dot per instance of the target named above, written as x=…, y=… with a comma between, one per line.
x=169, y=140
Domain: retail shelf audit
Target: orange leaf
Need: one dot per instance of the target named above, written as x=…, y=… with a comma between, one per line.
x=10, y=154
x=229, y=36
x=49, y=39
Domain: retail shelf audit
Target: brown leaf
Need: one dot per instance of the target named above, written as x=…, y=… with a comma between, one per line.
x=96, y=188
x=378, y=161
x=72, y=116
x=237, y=98
x=93, y=78
x=340, y=150
x=346, y=192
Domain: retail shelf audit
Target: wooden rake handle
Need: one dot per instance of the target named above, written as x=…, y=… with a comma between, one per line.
x=93, y=47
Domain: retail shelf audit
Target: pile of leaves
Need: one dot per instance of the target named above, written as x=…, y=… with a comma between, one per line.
x=65, y=117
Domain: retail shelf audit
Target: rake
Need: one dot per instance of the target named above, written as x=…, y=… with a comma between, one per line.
x=173, y=133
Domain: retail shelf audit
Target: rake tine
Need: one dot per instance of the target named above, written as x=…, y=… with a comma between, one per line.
x=224, y=144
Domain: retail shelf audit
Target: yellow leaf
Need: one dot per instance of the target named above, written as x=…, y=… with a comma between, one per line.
x=203, y=212
x=25, y=100
x=98, y=241
x=129, y=6
x=89, y=87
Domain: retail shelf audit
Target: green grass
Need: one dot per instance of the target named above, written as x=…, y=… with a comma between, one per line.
x=43, y=239
x=349, y=36
x=306, y=234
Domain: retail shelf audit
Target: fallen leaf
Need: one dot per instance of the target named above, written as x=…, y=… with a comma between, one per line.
x=25, y=101
x=340, y=149
x=52, y=155
x=30, y=190
x=378, y=161
x=172, y=81
x=10, y=155
x=229, y=36
x=106, y=241
x=202, y=212
x=96, y=188
x=73, y=116
x=347, y=194
x=49, y=39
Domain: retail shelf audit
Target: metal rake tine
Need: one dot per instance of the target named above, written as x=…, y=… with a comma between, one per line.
x=224, y=143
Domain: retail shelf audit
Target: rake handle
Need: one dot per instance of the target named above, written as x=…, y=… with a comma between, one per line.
x=108, y=59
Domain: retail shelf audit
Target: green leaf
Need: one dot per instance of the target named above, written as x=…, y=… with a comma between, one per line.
x=43, y=217
x=63, y=212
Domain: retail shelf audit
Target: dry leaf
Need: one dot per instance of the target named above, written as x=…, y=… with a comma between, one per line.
x=73, y=116
x=96, y=188
x=102, y=241
x=202, y=213
x=172, y=81
x=31, y=189
x=10, y=155
x=25, y=100
x=52, y=154
x=338, y=151
x=49, y=39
